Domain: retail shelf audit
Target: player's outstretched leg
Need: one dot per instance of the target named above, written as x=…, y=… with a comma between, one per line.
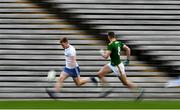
x=51, y=93
x=132, y=86
x=101, y=73
x=140, y=95
x=106, y=92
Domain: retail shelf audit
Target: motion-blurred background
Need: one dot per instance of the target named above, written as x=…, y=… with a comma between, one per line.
x=29, y=45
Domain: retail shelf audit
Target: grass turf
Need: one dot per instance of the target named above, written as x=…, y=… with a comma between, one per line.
x=83, y=104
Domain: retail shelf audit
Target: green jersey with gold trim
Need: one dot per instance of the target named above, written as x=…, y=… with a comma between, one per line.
x=115, y=47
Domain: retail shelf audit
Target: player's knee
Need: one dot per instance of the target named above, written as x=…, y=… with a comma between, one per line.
x=78, y=83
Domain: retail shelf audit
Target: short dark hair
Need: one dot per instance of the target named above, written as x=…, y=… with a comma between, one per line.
x=111, y=34
x=64, y=40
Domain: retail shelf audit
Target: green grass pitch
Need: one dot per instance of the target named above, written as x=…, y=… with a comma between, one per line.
x=84, y=104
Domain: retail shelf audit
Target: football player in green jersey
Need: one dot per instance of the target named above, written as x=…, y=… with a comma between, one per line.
x=116, y=65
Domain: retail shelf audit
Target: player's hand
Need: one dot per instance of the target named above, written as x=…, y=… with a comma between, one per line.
x=126, y=62
x=101, y=51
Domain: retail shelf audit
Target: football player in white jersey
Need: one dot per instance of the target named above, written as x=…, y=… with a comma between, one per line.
x=71, y=69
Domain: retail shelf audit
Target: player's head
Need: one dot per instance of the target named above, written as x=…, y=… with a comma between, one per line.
x=111, y=35
x=64, y=42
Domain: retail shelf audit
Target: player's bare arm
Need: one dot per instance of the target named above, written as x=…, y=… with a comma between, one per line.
x=127, y=51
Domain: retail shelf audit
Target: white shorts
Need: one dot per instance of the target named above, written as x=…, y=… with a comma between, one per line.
x=117, y=70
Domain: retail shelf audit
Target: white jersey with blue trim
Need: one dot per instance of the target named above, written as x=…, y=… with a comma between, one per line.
x=69, y=53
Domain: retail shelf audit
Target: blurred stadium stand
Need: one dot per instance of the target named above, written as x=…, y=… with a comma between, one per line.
x=29, y=45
